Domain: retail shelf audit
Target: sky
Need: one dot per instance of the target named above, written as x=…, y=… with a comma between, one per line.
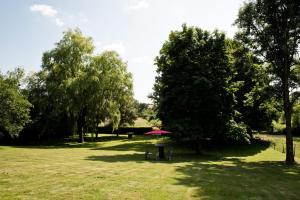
x=136, y=29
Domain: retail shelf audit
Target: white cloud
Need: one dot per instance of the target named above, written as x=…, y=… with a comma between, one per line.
x=47, y=11
x=118, y=47
x=143, y=60
x=43, y=9
x=59, y=22
x=138, y=4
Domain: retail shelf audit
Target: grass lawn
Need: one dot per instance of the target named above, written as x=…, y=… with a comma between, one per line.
x=114, y=168
x=140, y=122
x=278, y=143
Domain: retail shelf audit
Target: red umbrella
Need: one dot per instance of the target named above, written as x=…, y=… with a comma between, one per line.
x=161, y=153
x=158, y=132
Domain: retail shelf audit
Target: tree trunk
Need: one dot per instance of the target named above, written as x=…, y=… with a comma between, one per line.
x=80, y=130
x=287, y=113
x=249, y=131
x=289, y=140
x=81, y=138
x=198, y=146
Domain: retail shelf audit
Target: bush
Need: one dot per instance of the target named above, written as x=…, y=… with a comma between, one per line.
x=296, y=117
x=278, y=127
x=237, y=132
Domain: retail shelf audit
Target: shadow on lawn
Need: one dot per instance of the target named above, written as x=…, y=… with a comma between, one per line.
x=215, y=153
x=73, y=142
x=129, y=146
x=236, y=179
x=140, y=158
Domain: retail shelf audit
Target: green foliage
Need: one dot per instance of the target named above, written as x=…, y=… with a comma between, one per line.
x=14, y=106
x=271, y=29
x=296, y=116
x=250, y=82
x=278, y=126
x=142, y=109
x=258, y=23
x=191, y=91
x=237, y=132
x=210, y=86
x=80, y=90
x=148, y=112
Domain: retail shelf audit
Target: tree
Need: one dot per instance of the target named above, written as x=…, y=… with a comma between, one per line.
x=14, y=106
x=49, y=119
x=64, y=67
x=271, y=29
x=252, y=90
x=116, y=87
x=142, y=109
x=191, y=90
x=81, y=89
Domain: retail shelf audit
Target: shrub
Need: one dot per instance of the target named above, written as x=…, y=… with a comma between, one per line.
x=237, y=132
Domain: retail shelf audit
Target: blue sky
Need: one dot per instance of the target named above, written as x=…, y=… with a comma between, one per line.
x=136, y=29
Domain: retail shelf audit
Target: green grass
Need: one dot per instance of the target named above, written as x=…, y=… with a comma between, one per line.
x=140, y=122
x=278, y=143
x=114, y=168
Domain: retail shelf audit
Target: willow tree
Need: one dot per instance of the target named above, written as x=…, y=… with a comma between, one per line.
x=271, y=28
x=88, y=88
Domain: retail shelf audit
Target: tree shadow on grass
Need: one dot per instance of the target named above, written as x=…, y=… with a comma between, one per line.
x=135, y=157
x=238, y=150
x=236, y=179
x=178, y=155
x=140, y=146
x=72, y=142
x=57, y=146
x=113, y=137
x=218, y=151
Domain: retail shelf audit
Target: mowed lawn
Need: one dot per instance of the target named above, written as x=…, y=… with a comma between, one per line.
x=114, y=168
x=278, y=143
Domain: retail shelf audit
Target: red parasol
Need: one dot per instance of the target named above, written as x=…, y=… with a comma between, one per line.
x=158, y=132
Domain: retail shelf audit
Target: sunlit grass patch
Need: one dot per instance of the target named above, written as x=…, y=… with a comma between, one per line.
x=116, y=169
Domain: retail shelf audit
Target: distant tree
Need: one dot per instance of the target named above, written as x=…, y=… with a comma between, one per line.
x=142, y=109
x=271, y=29
x=296, y=117
x=191, y=91
x=14, y=106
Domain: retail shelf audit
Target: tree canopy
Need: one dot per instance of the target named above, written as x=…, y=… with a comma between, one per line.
x=14, y=106
x=191, y=90
x=80, y=88
x=250, y=80
x=271, y=29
